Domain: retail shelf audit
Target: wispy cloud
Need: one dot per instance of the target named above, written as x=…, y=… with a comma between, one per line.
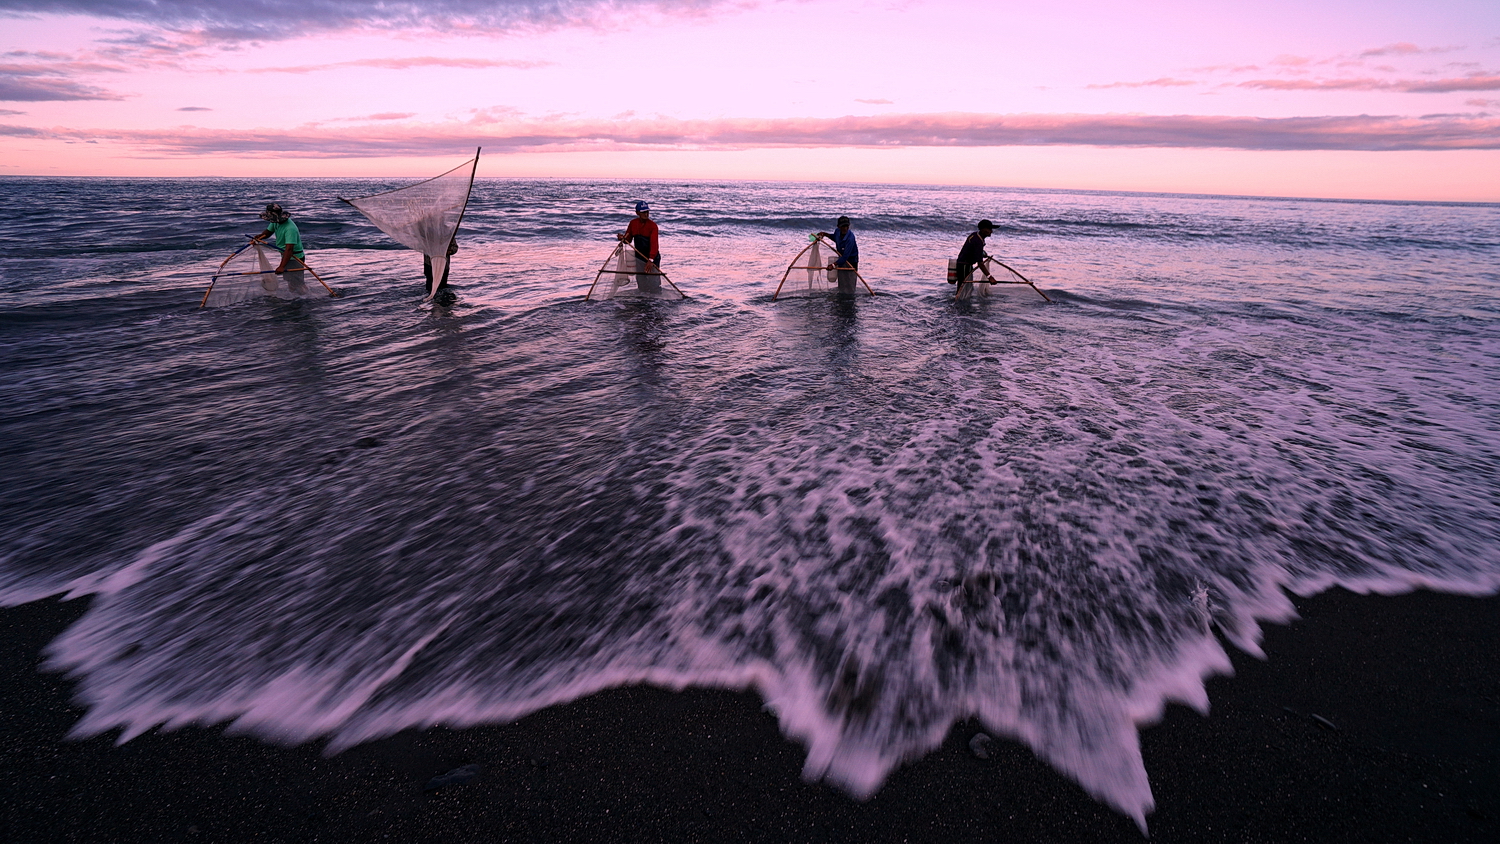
x=875, y=102
x=1404, y=49
x=410, y=63
x=385, y=115
x=1479, y=81
x=195, y=108
x=1301, y=73
x=909, y=130
x=233, y=20
x=27, y=76
x=33, y=88
x=10, y=112
x=1164, y=82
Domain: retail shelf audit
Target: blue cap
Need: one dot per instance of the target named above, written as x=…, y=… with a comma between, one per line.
x=641, y=206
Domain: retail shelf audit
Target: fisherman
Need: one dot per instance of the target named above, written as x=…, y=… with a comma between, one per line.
x=847, y=261
x=645, y=237
x=973, y=255
x=293, y=259
x=442, y=286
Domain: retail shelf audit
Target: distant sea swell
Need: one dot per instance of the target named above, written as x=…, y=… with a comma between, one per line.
x=346, y=517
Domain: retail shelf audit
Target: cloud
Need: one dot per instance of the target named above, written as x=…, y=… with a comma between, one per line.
x=1362, y=132
x=9, y=112
x=385, y=115
x=27, y=76
x=194, y=108
x=875, y=102
x=1401, y=49
x=1404, y=49
x=1472, y=82
x=1478, y=81
x=272, y=19
x=20, y=88
x=409, y=63
x=1480, y=103
x=1164, y=82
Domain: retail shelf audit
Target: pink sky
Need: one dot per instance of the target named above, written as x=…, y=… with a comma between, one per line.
x=1379, y=99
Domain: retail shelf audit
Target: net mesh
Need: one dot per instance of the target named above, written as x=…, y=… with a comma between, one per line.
x=250, y=274
x=808, y=273
x=626, y=273
x=424, y=216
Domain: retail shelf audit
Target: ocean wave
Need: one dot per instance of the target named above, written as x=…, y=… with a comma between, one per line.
x=347, y=517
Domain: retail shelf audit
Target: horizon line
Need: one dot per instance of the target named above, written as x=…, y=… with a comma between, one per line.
x=700, y=180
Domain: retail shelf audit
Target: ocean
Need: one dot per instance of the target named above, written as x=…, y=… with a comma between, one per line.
x=344, y=517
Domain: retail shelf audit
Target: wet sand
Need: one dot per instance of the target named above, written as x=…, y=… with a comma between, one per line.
x=1405, y=746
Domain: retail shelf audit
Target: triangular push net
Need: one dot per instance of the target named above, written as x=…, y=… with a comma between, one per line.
x=976, y=286
x=424, y=216
x=813, y=260
x=627, y=272
x=250, y=273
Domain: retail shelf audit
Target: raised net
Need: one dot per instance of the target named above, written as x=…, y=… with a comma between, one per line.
x=424, y=216
x=250, y=273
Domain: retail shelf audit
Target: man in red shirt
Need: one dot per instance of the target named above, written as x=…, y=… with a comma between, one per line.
x=645, y=237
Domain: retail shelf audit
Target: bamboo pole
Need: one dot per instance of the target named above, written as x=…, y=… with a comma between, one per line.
x=612, y=254
x=215, y=280
x=658, y=269
x=810, y=244
x=1024, y=279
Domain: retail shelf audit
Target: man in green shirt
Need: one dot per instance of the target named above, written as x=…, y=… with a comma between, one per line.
x=279, y=225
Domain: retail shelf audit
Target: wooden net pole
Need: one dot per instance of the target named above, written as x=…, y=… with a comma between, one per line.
x=613, y=252
x=793, y=266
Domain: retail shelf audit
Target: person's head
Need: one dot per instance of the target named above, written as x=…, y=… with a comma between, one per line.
x=642, y=209
x=843, y=222
x=274, y=213
x=986, y=228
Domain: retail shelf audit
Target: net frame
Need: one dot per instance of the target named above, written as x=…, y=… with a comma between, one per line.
x=965, y=292
x=814, y=266
x=628, y=265
x=234, y=284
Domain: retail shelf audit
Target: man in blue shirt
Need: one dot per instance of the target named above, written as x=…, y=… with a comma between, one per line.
x=848, y=258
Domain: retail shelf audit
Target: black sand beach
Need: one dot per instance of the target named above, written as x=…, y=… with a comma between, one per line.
x=1405, y=746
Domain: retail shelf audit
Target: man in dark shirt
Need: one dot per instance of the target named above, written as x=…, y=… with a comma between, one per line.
x=973, y=254
x=442, y=286
x=847, y=261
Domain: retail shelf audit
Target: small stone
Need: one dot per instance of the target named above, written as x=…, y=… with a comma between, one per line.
x=979, y=745
x=457, y=776
x=366, y=442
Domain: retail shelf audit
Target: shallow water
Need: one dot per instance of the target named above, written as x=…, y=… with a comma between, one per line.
x=350, y=516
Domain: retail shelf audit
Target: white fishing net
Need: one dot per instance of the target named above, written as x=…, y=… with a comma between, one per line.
x=967, y=287
x=626, y=273
x=251, y=273
x=424, y=216
x=818, y=278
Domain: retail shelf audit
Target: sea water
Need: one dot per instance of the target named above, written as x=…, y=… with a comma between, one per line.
x=348, y=516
